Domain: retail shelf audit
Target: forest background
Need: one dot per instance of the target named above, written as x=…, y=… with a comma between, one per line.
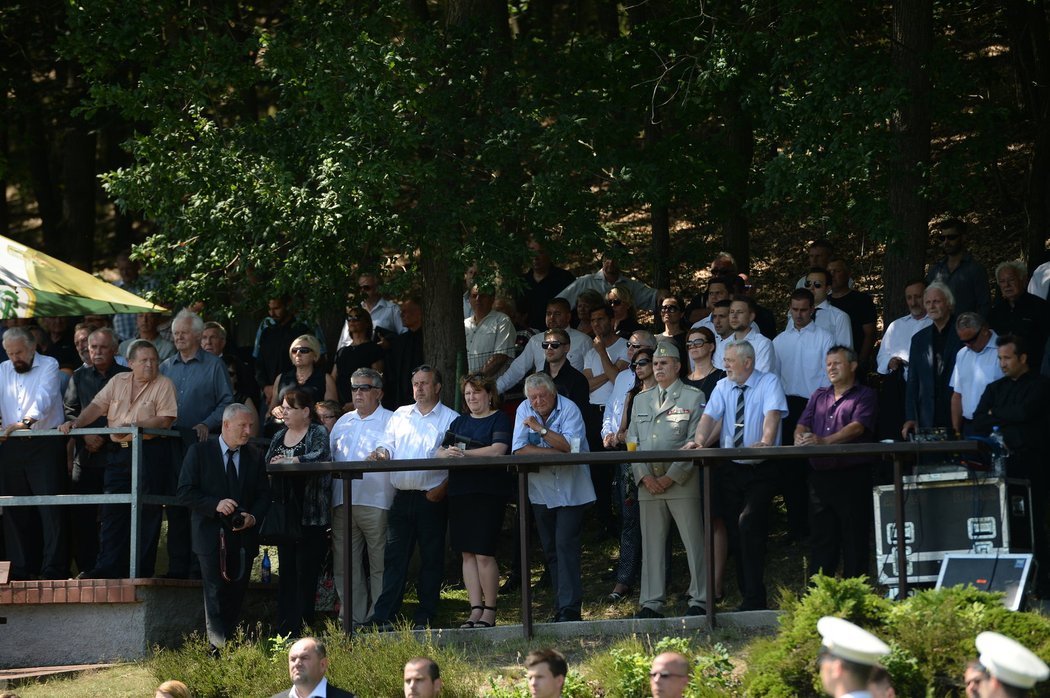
x=281, y=146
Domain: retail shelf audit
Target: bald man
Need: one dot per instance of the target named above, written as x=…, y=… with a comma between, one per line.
x=669, y=675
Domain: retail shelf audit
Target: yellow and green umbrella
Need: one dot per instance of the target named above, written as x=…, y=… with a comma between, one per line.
x=33, y=284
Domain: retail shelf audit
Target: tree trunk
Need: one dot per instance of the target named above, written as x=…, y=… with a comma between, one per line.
x=443, y=335
x=659, y=216
x=739, y=135
x=78, y=195
x=912, y=40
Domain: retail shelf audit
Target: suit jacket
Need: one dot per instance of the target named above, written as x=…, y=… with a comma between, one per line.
x=923, y=380
x=665, y=427
x=203, y=483
x=332, y=692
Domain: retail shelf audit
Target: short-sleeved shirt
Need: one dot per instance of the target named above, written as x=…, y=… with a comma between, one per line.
x=826, y=415
x=123, y=405
x=494, y=334
x=763, y=394
x=616, y=352
x=556, y=485
x=973, y=372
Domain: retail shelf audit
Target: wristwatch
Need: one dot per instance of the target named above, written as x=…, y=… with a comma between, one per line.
x=29, y=422
x=544, y=431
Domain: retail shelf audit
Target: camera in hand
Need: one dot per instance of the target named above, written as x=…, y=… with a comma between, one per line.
x=235, y=520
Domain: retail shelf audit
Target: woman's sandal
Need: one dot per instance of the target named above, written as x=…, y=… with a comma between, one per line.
x=482, y=624
x=472, y=623
x=618, y=596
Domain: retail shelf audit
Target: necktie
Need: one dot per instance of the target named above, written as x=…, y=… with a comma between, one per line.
x=663, y=396
x=738, y=433
x=231, y=474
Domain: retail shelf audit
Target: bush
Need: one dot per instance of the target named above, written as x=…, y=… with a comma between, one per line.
x=931, y=637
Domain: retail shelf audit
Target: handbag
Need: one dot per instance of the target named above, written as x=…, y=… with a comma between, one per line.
x=282, y=523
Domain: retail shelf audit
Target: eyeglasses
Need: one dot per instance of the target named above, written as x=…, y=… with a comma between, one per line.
x=696, y=342
x=670, y=309
x=326, y=417
x=815, y=284
x=632, y=345
x=551, y=345
x=361, y=387
x=301, y=350
x=615, y=301
x=422, y=367
x=640, y=362
x=665, y=675
x=353, y=318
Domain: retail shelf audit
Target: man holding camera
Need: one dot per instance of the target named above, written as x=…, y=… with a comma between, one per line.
x=224, y=484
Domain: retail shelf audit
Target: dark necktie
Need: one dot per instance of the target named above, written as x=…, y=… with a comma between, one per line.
x=738, y=433
x=231, y=474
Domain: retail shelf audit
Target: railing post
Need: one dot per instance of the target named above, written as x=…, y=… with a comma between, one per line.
x=136, y=500
x=523, y=541
x=902, y=556
x=348, y=563
x=709, y=543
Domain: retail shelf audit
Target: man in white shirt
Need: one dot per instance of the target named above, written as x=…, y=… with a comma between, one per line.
x=896, y=340
x=353, y=438
x=723, y=332
x=545, y=423
x=31, y=398
x=307, y=665
x=490, y=335
x=386, y=315
x=742, y=322
x=976, y=365
x=825, y=314
x=532, y=358
x=604, y=279
x=800, y=351
x=419, y=512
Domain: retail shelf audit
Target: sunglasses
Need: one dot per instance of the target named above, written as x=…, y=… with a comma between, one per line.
x=670, y=309
x=361, y=387
x=353, y=318
x=551, y=345
x=640, y=362
x=301, y=350
x=814, y=284
x=638, y=346
x=696, y=342
x=615, y=301
x=972, y=340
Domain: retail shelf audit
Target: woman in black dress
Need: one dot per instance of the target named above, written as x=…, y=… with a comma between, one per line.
x=477, y=498
x=301, y=440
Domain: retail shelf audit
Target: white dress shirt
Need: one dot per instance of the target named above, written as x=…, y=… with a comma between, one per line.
x=320, y=691
x=532, y=358
x=835, y=321
x=495, y=334
x=763, y=395
x=37, y=393
x=801, y=358
x=896, y=341
x=973, y=372
x=353, y=438
x=616, y=352
x=765, y=357
x=411, y=434
x=556, y=485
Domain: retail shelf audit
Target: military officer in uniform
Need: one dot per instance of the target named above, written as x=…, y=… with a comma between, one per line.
x=664, y=418
x=1007, y=668
x=848, y=657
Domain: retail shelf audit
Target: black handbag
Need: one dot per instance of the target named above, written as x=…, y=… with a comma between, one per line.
x=282, y=523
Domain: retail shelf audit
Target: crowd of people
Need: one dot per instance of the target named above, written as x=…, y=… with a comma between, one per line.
x=713, y=371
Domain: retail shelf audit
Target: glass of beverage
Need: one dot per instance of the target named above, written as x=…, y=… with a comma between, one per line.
x=632, y=443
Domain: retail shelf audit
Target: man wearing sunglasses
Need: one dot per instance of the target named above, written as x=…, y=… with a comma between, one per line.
x=827, y=316
x=958, y=270
x=532, y=358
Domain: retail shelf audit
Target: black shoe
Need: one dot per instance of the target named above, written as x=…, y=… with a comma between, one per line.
x=748, y=607
x=568, y=616
x=647, y=612
x=696, y=611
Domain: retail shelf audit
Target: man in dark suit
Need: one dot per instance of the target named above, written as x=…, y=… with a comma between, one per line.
x=307, y=665
x=927, y=401
x=221, y=482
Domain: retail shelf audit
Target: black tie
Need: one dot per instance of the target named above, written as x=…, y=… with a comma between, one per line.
x=231, y=474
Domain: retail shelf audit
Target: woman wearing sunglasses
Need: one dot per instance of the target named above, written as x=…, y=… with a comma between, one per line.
x=672, y=313
x=625, y=320
x=305, y=374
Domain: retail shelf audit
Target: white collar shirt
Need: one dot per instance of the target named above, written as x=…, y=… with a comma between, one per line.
x=763, y=394
x=973, y=372
x=532, y=358
x=625, y=380
x=385, y=314
x=801, y=358
x=37, y=393
x=353, y=438
x=896, y=341
x=834, y=321
x=320, y=691
x=556, y=485
x=616, y=352
x=765, y=357
x=410, y=434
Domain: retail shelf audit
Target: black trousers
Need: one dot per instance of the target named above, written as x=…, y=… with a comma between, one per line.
x=88, y=478
x=300, y=565
x=793, y=473
x=748, y=493
x=222, y=599
x=840, y=520
x=35, y=466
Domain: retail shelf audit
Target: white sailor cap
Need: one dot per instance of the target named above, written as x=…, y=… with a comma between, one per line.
x=845, y=640
x=1010, y=661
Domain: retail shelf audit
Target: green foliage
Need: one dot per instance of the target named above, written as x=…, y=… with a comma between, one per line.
x=249, y=667
x=931, y=636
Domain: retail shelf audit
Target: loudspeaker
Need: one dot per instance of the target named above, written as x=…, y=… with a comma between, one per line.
x=1009, y=573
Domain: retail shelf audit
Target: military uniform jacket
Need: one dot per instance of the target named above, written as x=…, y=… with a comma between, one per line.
x=664, y=427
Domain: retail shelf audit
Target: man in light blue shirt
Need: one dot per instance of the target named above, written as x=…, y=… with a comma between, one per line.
x=745, y=410
x=544, y=424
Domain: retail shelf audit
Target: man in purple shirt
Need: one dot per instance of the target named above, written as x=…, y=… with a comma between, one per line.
x=839, y=486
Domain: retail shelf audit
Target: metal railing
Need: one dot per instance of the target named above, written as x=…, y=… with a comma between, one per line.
x=136, y=498
x=702, y=458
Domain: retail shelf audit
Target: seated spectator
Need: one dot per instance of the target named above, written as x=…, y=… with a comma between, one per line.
x=477, y=498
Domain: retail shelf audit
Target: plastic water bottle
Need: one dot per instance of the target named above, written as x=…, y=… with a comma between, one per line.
x=999, y=453
x=265, y=577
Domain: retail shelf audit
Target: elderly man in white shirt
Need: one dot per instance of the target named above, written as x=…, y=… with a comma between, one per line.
x=31, y=398
x=353, y=438
x=545, y=423
x=419, y=512
x=976, y=365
